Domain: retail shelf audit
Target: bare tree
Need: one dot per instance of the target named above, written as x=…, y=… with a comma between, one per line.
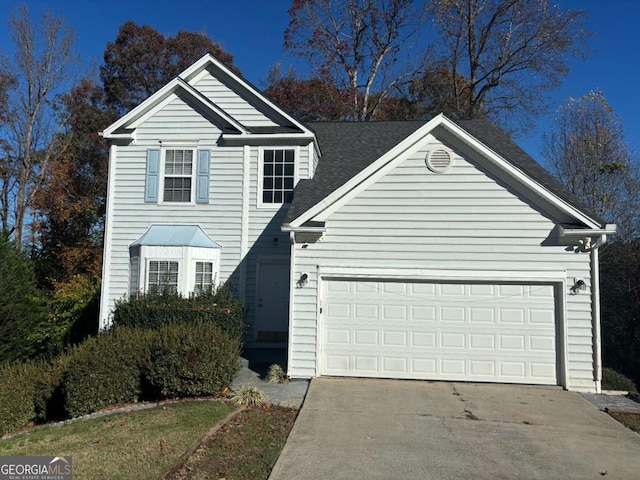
x=39, y=67
x=509, y=51
x=366, y=47
x=587, y=150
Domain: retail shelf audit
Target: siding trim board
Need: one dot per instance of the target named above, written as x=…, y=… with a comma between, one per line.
x=108, y=240
x=244, y=230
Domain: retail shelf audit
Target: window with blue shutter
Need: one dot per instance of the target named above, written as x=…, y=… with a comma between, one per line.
x=153, y=175
x=202, y=180
x=178, y=175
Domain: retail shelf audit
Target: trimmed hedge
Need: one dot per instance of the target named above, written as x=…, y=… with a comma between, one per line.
x=105, y=370
x=153, y=310
x=123, y=365
x=49, y=398
x=17, y=407
x=190, y=361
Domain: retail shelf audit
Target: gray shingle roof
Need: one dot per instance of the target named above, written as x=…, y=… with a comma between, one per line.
x=349, y=147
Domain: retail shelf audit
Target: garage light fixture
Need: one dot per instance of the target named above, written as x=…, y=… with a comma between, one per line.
x=302, y=281
x=578, y=286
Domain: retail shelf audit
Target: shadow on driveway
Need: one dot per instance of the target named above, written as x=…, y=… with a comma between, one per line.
x=393, y=429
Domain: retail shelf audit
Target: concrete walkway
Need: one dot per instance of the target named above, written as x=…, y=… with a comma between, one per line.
x=290, y=394
x=606, y=402
x=385, y=429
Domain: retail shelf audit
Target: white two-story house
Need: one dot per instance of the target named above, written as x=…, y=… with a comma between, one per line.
x=426, y=249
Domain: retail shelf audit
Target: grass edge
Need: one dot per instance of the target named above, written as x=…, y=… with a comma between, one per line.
x=181, y=460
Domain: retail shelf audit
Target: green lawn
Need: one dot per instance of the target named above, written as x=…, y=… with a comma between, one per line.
x=138, y=445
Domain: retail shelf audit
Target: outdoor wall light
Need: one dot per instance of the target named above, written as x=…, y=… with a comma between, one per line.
x=275, y=241
x=302, y=281
x=578, y=286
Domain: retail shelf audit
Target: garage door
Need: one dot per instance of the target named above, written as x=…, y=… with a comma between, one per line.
x=439, y=331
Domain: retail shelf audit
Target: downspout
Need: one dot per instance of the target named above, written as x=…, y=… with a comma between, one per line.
x=595, y=309
x=292, y=270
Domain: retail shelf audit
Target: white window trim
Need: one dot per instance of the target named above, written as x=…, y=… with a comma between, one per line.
x=186, y=266
x=296, y=160
x=214, y=273
x=147, y=264
x=194, y=168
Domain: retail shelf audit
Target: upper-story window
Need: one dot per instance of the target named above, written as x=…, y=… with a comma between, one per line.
x=178, y=176
x=278, y=176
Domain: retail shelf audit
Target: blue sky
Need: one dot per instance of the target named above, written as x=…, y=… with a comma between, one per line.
x=252, y=30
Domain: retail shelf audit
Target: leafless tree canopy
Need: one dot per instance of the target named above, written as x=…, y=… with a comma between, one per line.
x=587, y=151
x=510, y=52
x=367, y=47
x=38, y=67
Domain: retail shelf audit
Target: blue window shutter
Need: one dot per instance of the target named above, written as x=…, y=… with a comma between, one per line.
x=153, y=175
x=202, y=182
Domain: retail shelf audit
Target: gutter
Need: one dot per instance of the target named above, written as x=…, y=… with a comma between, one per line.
x=581, y=233
x=292, y=270
x=288, y=228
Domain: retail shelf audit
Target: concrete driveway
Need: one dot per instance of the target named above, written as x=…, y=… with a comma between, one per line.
x=391, y=429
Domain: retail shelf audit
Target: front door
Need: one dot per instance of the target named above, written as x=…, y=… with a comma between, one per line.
x=273, y=302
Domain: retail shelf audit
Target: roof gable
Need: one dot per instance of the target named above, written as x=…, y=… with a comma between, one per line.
x=270, y=118
x=337, y=181
x=131, y=120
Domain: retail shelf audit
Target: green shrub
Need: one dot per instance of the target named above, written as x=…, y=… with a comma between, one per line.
x=276, y=374
x=248, y=395
x=73, y=315
x=152, y=310
x=17, y=388
x=22, y=304
x=105, y=370
x=612, y=380
x=48, y=398
x=191, y=360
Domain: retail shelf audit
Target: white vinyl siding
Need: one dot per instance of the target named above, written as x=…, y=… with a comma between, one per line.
x=232, y=103
x=465, y=218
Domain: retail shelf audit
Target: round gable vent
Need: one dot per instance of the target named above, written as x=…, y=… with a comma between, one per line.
x=439, y=161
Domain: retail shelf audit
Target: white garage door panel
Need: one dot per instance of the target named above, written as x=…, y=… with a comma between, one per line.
x=446, y=331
